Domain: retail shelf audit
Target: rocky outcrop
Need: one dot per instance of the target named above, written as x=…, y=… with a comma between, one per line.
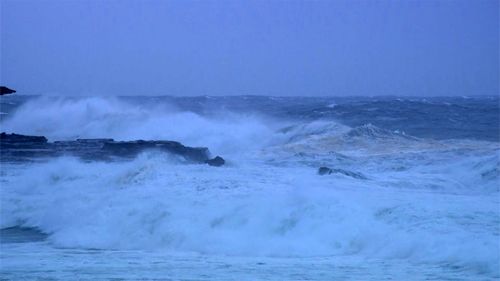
x=217, y=161
x=324, y=171
x=21, y=147
x=328, y=171
x=132, y=148
x=6, y=91
x=21, y=139
x=14, y=147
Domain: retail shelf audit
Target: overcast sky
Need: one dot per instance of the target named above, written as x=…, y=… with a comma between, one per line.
x=250, y=47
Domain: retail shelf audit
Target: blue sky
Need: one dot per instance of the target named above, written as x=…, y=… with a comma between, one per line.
x=308, y=48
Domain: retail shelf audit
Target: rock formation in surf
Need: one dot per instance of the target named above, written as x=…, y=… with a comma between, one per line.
x=324, y=171
x=217, y=161
x=15, y=147
x=16, y=139
x=5, y=91
x=329, y=171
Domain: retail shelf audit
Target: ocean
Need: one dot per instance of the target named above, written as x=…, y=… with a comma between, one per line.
x=413, y=191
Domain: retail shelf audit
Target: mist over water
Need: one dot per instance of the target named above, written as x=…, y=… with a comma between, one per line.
x=420, y=187
x=429, y=117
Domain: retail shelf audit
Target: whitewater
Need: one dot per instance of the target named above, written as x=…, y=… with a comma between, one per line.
x=420, y=199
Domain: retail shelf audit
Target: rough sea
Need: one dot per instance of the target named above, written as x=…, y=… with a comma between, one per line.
x=418, y=198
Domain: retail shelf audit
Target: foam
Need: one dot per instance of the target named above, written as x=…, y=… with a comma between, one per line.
x=154, y=203
x=111, y=117
x=425, y=201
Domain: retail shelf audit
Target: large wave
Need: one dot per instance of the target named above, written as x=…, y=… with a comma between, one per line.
x=64, y=118
x=420, y=200
x=111, y=117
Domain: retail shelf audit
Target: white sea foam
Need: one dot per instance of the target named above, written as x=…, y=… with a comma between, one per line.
x=152, y=203
x=423, y=201
x=97, y=117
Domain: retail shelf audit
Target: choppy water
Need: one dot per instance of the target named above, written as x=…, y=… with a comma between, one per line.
x=427, y=206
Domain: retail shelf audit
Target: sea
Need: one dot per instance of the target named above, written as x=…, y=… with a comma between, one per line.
x=414, y=192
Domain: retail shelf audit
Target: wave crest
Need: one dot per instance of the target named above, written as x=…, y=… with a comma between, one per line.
x=97, y=117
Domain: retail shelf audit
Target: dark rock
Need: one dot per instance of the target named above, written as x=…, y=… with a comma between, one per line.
x=324, y=171
x=217, y=161
x=15, y=141
x=349, y=174
x=16, y=147
x=132, y=148
x=16, y=138
x=6, y=91
x=94, y=140
x=328, y=171
x=88, y=149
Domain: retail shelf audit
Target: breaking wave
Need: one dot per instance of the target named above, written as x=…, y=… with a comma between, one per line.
x=98, y=117
x=422, y=200
x=153, y=203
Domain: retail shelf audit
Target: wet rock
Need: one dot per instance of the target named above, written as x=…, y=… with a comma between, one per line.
x=16, y=138
x=6, y=91
x=16, y=147
x=132, y=148
x=94, y=140
x=324, y=171
x=87, y=149
x=15, y=141
x=217, y=161
x=328, y=171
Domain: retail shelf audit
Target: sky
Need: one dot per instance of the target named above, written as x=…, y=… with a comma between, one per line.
x=279, y=48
